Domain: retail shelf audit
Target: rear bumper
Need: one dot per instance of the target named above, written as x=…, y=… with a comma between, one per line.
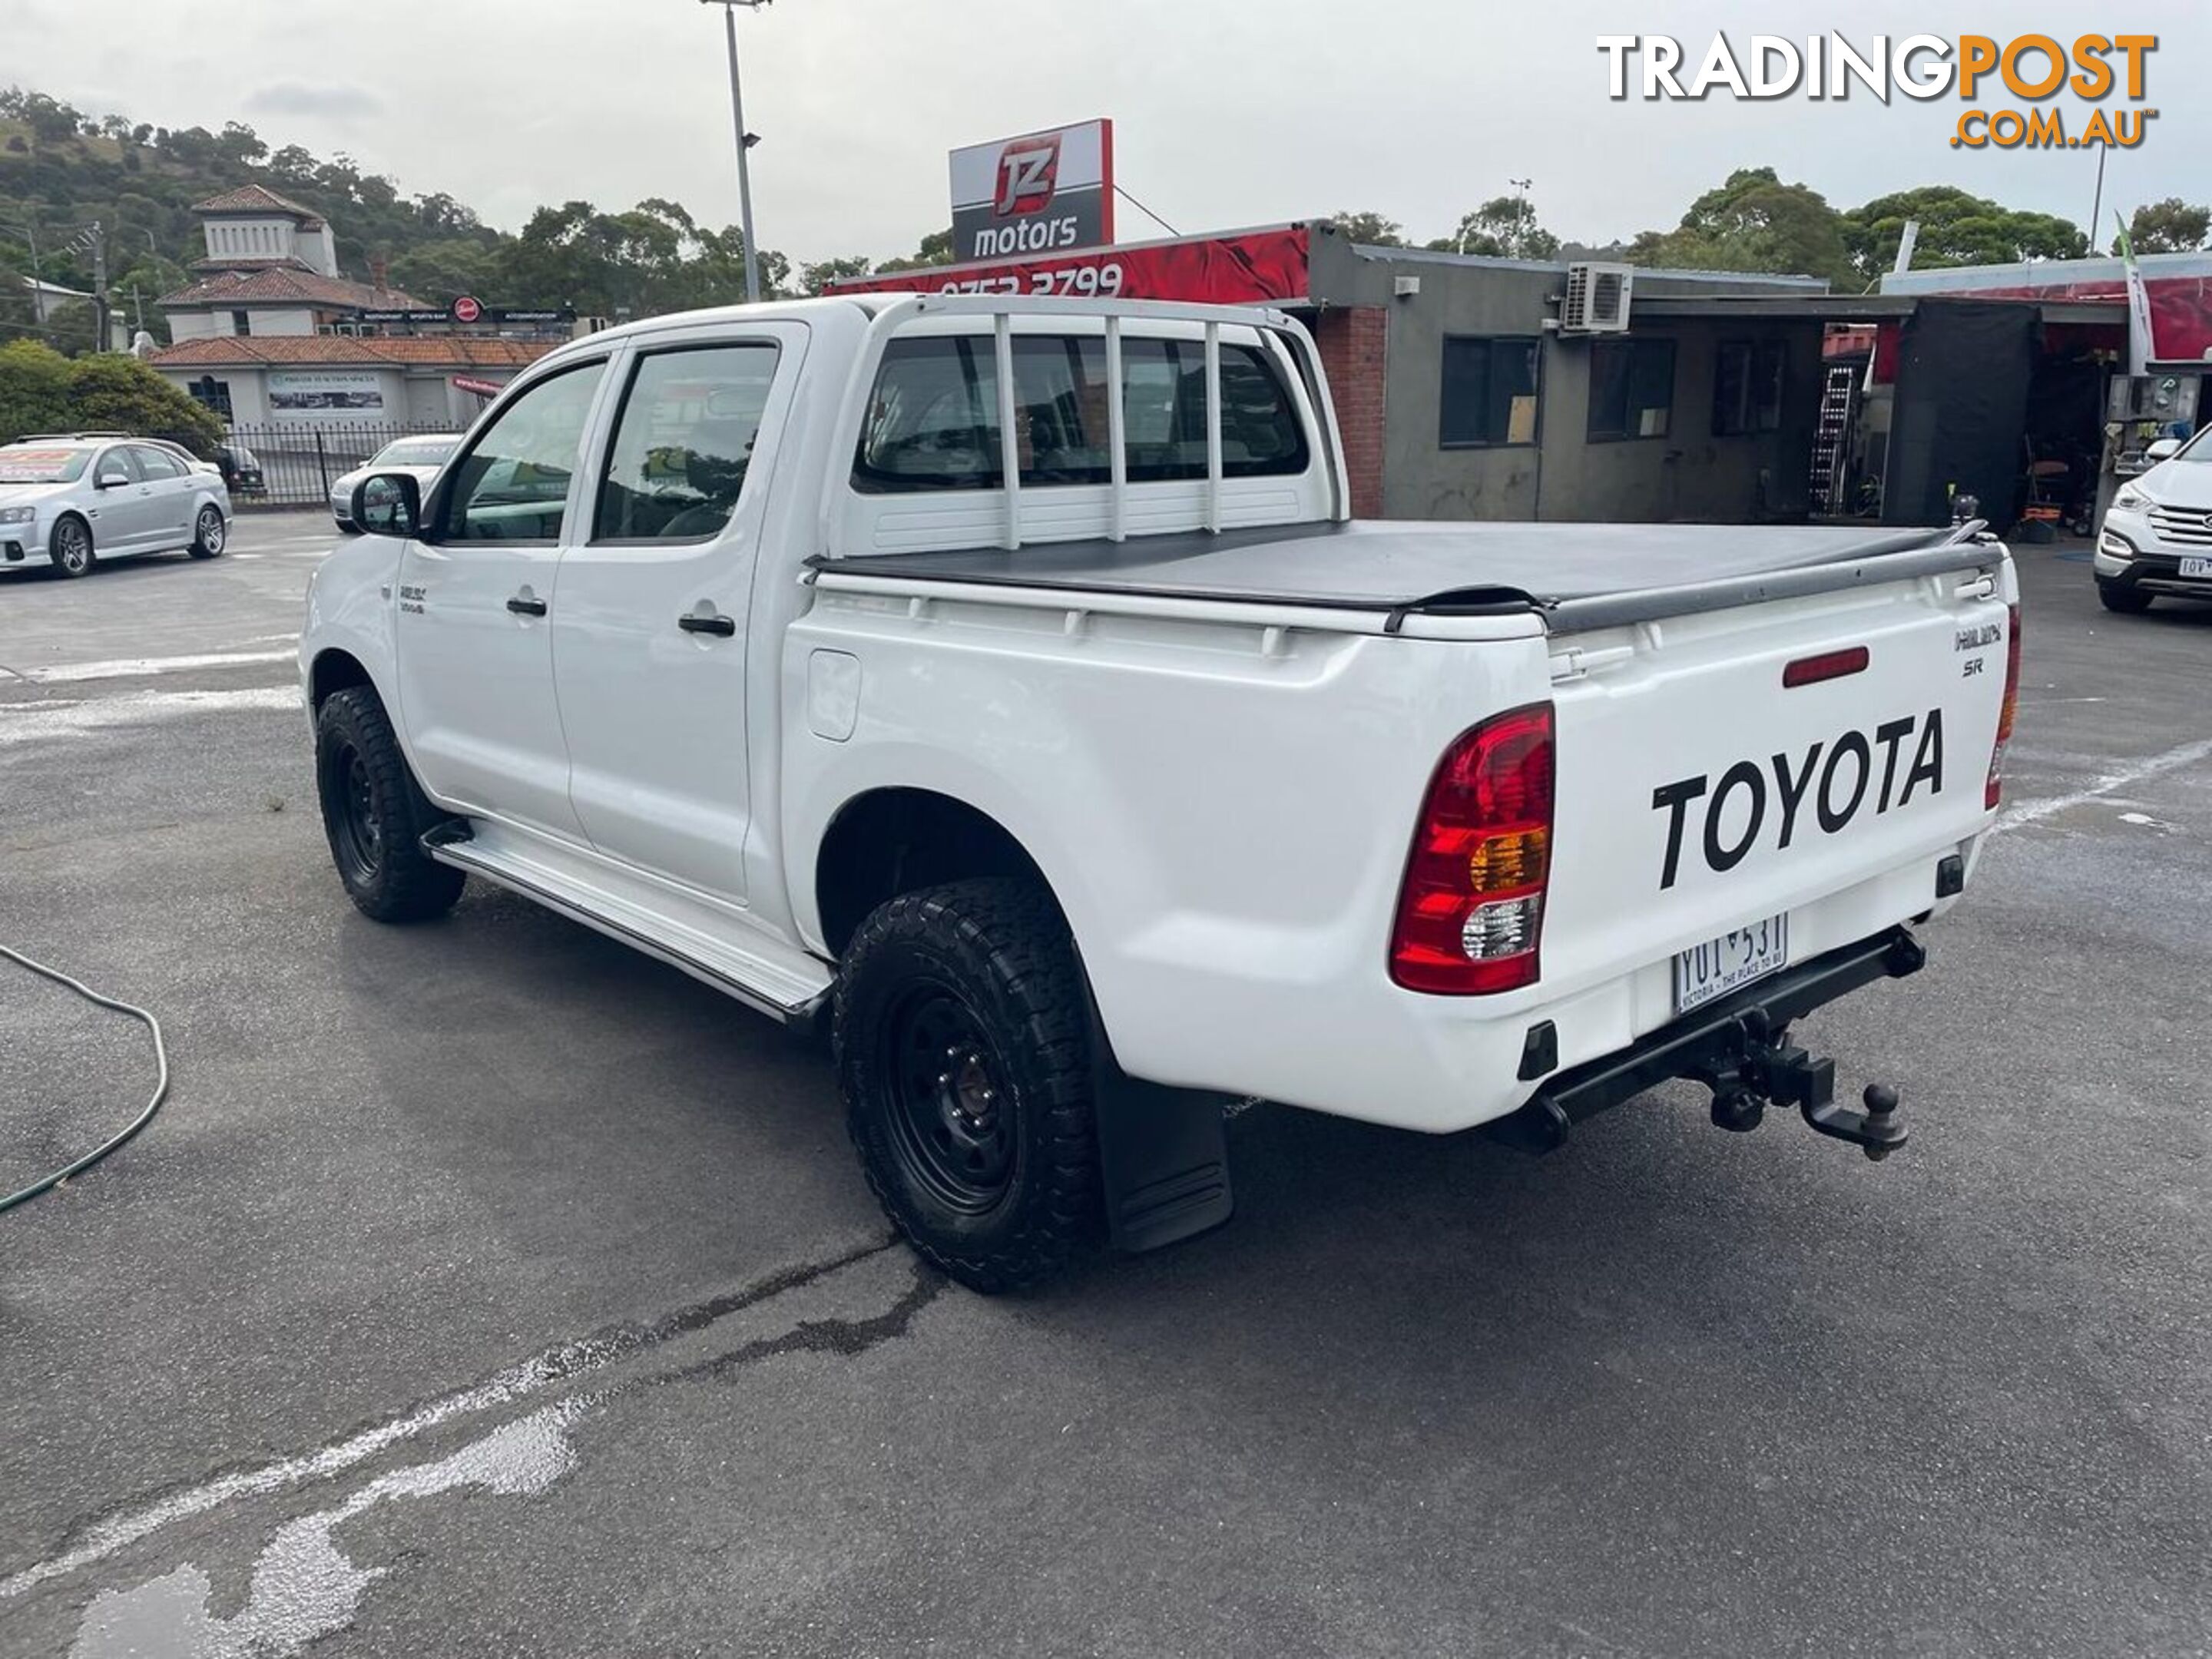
x=1711, y=1041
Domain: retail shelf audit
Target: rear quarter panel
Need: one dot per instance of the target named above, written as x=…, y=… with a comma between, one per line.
x=1225, y=829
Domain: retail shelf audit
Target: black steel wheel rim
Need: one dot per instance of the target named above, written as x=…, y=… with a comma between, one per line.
x=951, y=1118
x=359, y=835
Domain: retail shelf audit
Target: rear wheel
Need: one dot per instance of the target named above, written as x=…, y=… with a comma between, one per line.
x=375, y=813
x=2117, y=596
x=211, y=534
x=71, y=547
x=962, y=1045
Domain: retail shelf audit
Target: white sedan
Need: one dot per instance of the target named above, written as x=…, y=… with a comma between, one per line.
x=71, y=502
x=421, y=455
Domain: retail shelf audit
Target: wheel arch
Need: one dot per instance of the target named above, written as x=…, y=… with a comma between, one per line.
x=894, y=839
x=333, y=669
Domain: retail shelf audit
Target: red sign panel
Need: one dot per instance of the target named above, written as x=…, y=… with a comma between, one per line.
x=1257, y=267
x=467, y=308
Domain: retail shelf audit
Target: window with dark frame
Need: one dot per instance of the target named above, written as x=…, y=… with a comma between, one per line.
x=1631, y=389
x=932, y=421
x=1489, y=396
x=241, y=322
x=1748, y=380
x=684, y=442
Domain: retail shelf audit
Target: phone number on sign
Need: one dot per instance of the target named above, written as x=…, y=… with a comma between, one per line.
x=1068, y=279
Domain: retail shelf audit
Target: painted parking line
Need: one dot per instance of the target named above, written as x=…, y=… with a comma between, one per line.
x=139, y=668
x=37, y=722
x=565, y=1364
x=2035, y=811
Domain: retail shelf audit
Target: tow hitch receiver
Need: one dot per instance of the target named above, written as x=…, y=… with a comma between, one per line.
x=1771, y=1068
x=1739, y=1047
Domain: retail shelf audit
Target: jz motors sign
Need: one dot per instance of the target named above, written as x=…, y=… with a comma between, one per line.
x=1044, y=192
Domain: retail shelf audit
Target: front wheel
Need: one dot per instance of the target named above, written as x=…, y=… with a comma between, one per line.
x=375, y=813
x=211, y=535
x=964, y=1051
x=71, y=547
x=2117, y=596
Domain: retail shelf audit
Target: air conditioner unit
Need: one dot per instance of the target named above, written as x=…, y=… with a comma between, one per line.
x=1597, y=298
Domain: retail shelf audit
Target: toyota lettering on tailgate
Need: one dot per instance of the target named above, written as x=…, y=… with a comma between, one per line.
x=1829, y=783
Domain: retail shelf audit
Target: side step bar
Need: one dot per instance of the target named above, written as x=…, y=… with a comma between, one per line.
x=454, y=842
x=1735, y=1047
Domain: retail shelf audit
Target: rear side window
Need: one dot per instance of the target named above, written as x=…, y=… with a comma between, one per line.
x=155, y=463
x=932, y=421
x=684, y=442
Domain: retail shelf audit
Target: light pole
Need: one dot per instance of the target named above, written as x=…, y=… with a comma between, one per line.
x=745, y=141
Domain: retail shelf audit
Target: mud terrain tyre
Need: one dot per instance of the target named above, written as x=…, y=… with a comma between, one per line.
x=962, y=1048
x=375, y=813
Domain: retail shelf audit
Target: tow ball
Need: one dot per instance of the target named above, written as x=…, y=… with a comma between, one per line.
x=1769, y=1069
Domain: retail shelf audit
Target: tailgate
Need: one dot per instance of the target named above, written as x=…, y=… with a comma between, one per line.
x=1698, y=794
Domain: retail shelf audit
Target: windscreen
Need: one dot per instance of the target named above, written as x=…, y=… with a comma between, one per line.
x=416, y=451
x=42, y=466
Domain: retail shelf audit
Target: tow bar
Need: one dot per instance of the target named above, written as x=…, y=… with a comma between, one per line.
x=1771, y=1068
x=1739, y=1047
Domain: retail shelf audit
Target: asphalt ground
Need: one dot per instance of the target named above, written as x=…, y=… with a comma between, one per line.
x=485, y=1288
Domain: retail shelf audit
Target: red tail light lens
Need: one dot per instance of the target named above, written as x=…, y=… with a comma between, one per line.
x=1828, y=666
x=1471, y=913
x=1993, y=791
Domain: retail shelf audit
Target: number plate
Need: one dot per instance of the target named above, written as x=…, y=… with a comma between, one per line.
x=2197, y=566
x=1736, y=957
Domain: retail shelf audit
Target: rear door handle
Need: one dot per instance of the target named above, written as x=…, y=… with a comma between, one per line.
x=723, y=627
x=523, y=606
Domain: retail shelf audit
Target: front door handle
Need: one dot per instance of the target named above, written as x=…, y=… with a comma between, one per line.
x=722, y=627
x=523, y=606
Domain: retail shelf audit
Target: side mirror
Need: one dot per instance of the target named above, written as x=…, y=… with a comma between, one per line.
x=111, y=477
x=2162, y=449
x=388, y=504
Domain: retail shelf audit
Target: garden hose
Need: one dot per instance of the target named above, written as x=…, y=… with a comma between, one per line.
x=160, y=1082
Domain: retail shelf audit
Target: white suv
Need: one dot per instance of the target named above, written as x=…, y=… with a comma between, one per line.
x=2157, y=537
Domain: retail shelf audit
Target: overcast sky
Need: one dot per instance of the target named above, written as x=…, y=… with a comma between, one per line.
x=1227, y=113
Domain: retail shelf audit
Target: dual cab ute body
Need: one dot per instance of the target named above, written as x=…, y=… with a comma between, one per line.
x=729, y=633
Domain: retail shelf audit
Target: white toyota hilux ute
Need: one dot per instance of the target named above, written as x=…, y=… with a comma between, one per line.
x=1003, y=682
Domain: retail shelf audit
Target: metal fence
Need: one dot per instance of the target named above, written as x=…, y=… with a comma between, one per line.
x=295, y=464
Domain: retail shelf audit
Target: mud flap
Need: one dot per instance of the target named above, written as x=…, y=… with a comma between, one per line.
x=1162, y=1152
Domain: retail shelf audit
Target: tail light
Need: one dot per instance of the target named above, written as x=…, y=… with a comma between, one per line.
x=1993, y=791
x=1471, y=913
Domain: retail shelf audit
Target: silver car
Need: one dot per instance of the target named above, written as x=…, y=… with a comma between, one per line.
x=73, y=501
x=421, y=455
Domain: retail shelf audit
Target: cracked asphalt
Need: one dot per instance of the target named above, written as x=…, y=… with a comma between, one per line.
x=485, y=1288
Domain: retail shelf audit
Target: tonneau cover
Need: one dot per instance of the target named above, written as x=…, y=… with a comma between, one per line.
x=1580, y=575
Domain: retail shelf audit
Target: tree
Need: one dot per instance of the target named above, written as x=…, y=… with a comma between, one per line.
x=1503, y=225
x=2169, y=227
x=819, y=275
x=294, y=165
x=33, y=389
x=241, y=142
x=1956, y=229
x=108, y=391
x=936, y=249
x=1369, y=229
x=449, y=267
x=1753, y=223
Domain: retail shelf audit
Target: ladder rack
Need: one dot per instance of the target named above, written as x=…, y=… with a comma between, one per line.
x=1002, y=309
